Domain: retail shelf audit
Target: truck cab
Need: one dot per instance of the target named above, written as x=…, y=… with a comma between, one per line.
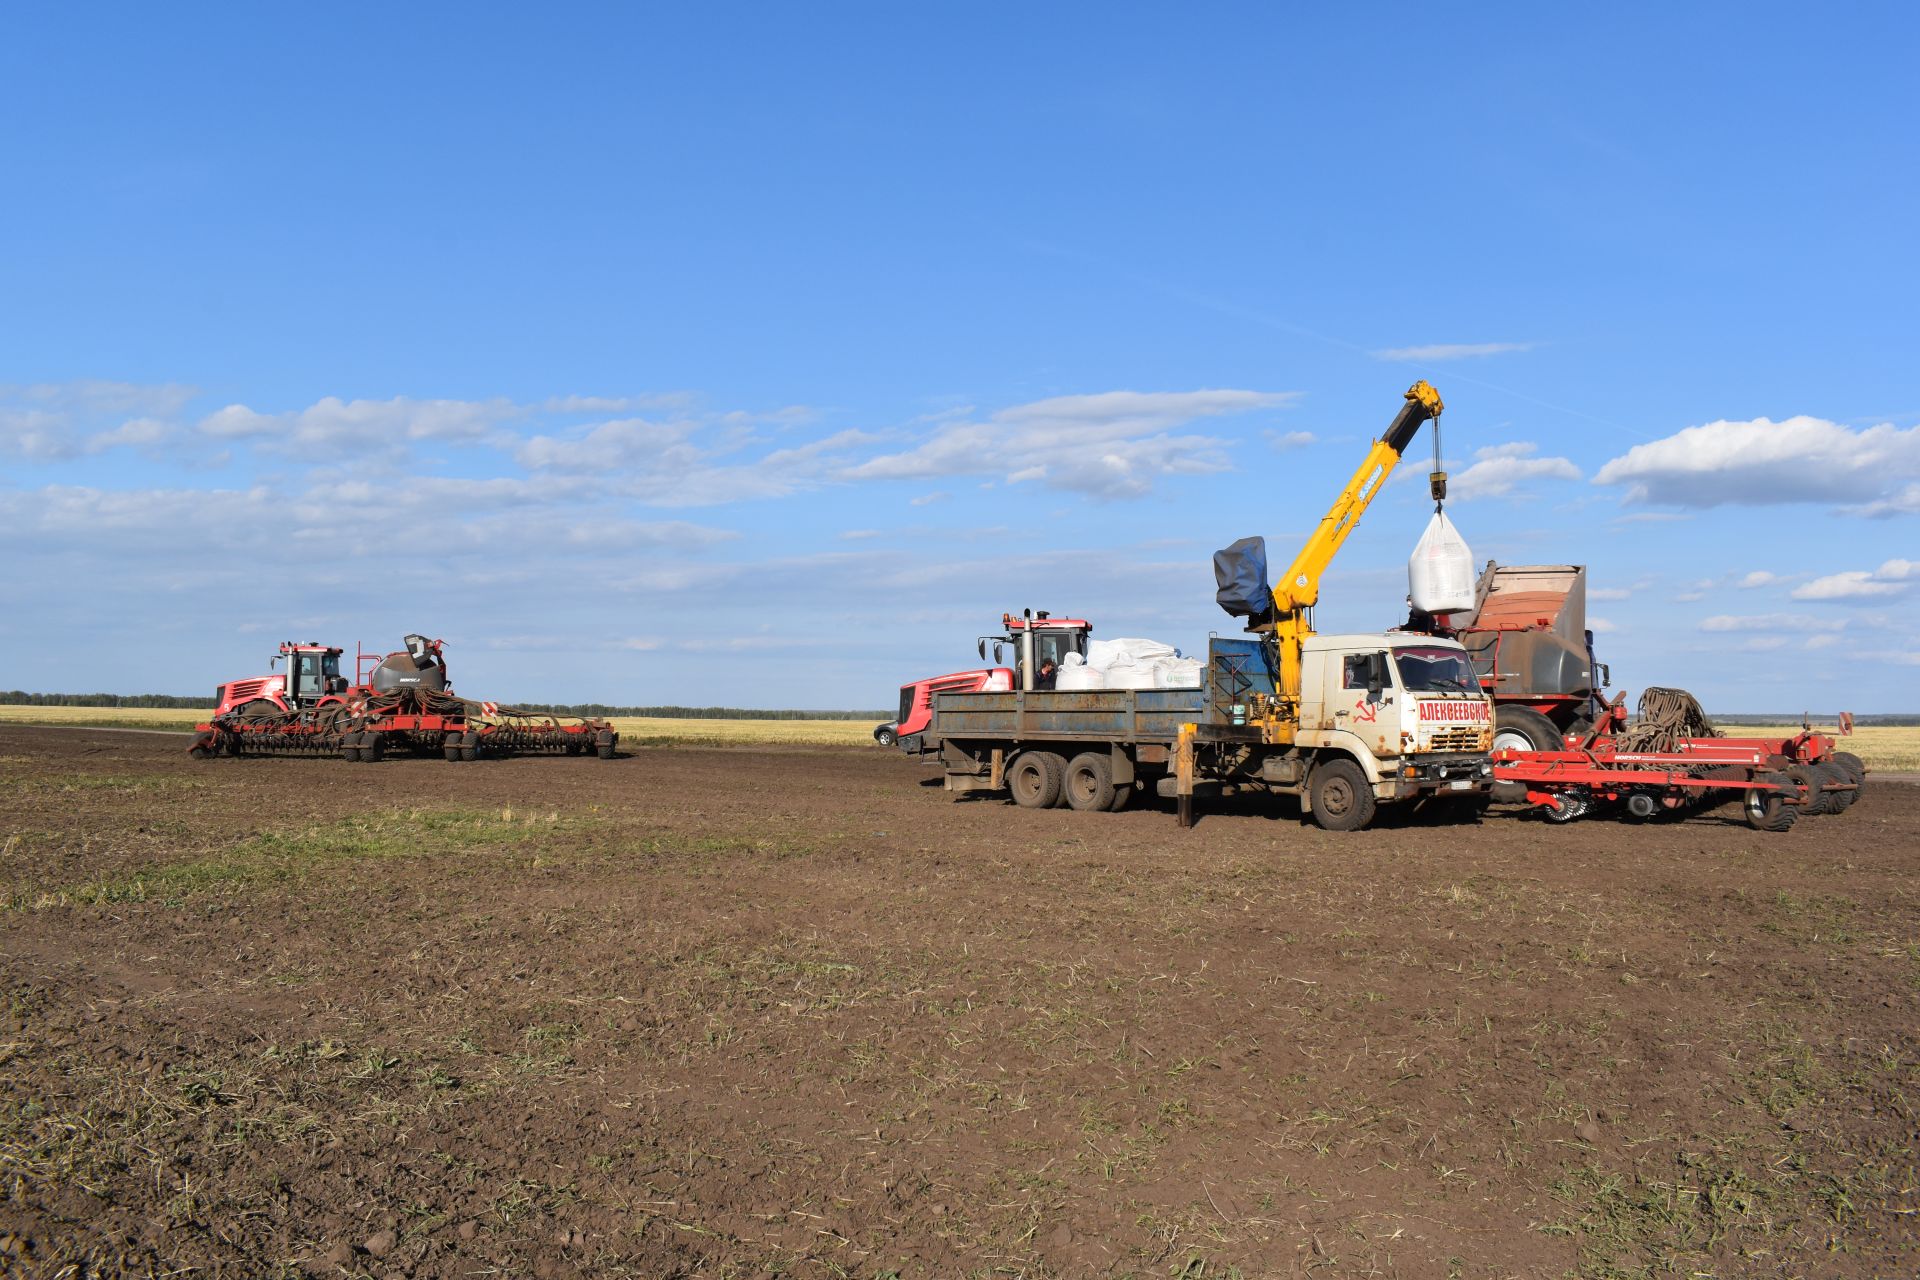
x=1409, y=710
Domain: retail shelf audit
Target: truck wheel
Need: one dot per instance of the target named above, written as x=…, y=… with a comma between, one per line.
x=1769, y=810
x=1342, y=797
x=1089, y=784
x=1523, y=729
x=1034, y=778
x=1121, y=795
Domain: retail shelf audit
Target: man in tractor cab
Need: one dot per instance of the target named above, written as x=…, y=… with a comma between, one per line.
x=1044, y=677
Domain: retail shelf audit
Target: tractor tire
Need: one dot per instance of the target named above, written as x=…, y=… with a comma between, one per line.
x=258, y=709
x=1035, y=777
x=1342, y=796
x=1089, y=782
x=885, y=735
x=1769, y=810
x=199, y=752
x=1524, y=729
x=1812, y=780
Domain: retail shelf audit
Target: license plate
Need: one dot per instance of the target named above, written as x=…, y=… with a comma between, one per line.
x=1462, y=784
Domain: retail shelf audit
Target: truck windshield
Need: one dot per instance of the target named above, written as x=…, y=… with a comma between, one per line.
x=1435, y=670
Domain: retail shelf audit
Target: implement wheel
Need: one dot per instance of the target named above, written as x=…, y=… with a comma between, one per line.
x=1564, y=808
x=605, y=745
x=1342, y=796
x=1089, y=782
x=1768, y=810
x=1812, y=780
x=372, y=747
x=1035, y=778
x=1840, y=801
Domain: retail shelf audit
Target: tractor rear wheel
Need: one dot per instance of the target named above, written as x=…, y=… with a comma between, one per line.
x=1035, y=777
x=1523, y=729
x=1342, y=796
x=1089, y=782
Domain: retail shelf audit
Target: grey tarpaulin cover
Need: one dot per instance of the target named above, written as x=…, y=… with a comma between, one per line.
x=1241, y=572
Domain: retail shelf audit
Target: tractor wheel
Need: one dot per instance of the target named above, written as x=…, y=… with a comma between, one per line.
x=1342, y=796
x=1035, y=777
x=885, y=735
x=198, y=751
x=1769, y=810
x=258, y=709
x=1089, y=782
x=1523, y=729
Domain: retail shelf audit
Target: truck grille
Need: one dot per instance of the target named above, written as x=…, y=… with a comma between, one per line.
x=1464, y=737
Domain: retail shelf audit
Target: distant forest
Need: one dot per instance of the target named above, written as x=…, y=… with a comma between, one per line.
x=17, y=698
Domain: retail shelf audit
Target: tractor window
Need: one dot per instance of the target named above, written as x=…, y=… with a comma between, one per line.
x=330, y=666
x=1051, y=647
x=306, y=676
x=1436, y=670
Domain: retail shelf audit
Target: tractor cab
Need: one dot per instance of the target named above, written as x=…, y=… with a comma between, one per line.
x=1040, y=644
x=313, y=672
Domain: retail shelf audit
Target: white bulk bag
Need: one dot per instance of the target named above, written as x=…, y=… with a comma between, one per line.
x=1105, y=653
x=1440, y=571
x=1075, y=678
x=1179, y=673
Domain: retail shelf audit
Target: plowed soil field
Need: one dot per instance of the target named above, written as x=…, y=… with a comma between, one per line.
x=794, y=1012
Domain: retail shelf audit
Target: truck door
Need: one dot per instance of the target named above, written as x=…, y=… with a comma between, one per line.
x=1368, y=705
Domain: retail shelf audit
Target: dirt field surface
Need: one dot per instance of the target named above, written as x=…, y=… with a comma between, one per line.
x=790, y=1012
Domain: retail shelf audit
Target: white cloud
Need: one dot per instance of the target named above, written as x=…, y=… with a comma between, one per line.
x=1498, y=469
x=1608, y=593
x=1762, y=462
x=1790, y=622
x=1601, y=626
x=332, y=425
x=1110, y=445
x=1890, y=579
x=1452, y=350
x=1286, y=441
x=1760, y=578
x=927, y=499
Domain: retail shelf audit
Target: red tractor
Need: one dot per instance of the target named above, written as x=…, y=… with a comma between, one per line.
x=1040, y=643
x=312, y=678
x=397, y=700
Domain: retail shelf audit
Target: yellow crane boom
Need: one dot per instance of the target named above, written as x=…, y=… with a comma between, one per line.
x=1299, y=590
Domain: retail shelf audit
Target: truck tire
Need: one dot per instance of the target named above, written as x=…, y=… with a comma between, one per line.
x=1034, y=778
x=1523, y=729
x=1342, y=796
x=1122, y=794
x=1089, y=782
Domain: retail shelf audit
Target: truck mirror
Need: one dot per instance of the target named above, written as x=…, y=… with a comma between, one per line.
x=1376, y=674
x=983, y=648
x=1606, y=675
x=998, y=660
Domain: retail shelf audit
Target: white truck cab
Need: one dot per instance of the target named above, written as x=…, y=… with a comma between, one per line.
x=1408, y=708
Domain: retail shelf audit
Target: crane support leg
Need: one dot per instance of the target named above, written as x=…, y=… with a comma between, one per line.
x=1183, y=774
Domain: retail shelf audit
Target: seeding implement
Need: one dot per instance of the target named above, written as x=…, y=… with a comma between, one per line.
x=1673, y=762
x=399, y=701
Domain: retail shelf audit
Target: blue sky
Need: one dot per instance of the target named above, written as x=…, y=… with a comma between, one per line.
x=764, y=355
